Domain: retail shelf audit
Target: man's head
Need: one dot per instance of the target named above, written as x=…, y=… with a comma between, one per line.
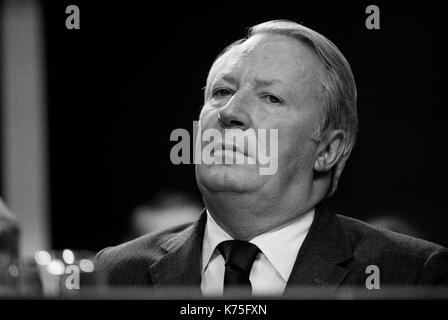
x=287, y=77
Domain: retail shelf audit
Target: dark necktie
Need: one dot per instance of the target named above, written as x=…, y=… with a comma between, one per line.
x=239, y=256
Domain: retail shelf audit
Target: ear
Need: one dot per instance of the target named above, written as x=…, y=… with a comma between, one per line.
x=330, y=149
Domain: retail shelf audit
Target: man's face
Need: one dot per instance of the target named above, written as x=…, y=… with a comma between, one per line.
x=268, y=82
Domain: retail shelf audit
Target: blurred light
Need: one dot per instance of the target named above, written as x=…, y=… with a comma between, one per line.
x=86, y=265
x=13, y=271
x=68, y=256
x=56, y=267
x=42, y=257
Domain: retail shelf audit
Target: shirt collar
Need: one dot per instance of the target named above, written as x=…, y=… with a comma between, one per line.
x=213, y=236
x=280, y=246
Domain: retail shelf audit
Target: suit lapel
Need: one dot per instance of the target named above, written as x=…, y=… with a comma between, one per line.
x=181, y=265
x=324, y=249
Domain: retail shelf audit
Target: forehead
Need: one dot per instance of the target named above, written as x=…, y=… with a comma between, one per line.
x=269, y=56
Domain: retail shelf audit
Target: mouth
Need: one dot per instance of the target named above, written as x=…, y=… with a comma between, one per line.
x=233, y=148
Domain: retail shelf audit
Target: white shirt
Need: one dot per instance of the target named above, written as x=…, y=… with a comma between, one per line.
x=272, y=266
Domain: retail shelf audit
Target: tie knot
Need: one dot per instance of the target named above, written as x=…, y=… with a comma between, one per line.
x=239, y=254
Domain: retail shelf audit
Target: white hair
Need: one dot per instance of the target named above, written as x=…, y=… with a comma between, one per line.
x=337, y=86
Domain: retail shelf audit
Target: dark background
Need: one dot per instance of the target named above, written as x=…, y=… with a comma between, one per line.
x=132, y=73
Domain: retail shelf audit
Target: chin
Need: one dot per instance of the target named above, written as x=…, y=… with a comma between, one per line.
x=229, y=178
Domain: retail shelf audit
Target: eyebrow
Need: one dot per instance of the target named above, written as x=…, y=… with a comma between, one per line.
x=267, y=83
x=229, y=78
x=258, y=82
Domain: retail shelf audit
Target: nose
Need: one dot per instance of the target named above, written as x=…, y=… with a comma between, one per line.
x=234, y=114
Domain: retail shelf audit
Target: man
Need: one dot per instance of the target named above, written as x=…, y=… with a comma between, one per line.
x=270, y=234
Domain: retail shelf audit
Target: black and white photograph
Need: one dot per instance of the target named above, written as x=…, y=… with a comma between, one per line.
x=202, y=154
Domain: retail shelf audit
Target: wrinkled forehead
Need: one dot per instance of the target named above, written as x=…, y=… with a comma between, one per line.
x=274, y=54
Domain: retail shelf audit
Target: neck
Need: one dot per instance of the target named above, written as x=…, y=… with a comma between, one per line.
x=244, y=216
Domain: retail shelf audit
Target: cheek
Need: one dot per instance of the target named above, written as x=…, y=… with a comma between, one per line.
x=205, y=113
x=208, y=117
x=292, y=145
x=296, y=144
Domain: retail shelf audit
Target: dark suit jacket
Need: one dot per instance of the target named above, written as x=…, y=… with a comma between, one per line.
x=336, y=252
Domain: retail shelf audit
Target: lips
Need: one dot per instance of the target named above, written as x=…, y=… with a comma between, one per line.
x=233, y=148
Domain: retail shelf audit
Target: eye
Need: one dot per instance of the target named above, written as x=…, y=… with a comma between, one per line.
x=273, y=99
x=222, y=92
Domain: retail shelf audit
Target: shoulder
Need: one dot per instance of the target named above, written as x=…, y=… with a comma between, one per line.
x=149, y=246
x=363, y=234
x=395, y=251
x=125, y=262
